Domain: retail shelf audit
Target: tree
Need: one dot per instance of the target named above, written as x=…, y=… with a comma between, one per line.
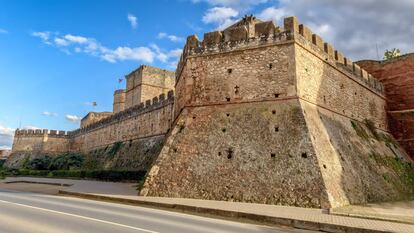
x=390, y=54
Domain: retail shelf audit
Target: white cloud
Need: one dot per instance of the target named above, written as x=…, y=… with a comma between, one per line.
x=49, y=114
x=76, y=39
x=175, y=53
x=355, y=27
x=221, y=16
x=274, y=14
x=6, y=136
x=74, y=43
x=3, y=31
x=133, y=20
x=3, y=147
x=6, y=131
x=73, y=118
x=172, y=38
x=43, y=35
x=30, y=127
x=241, y=5
x=125, y=53
x=61, y=42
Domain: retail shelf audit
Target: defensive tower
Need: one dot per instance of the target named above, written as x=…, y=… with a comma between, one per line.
x=275, y=115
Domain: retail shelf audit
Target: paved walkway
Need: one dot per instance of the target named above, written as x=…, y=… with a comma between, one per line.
x=395, y=211
x=305, y=218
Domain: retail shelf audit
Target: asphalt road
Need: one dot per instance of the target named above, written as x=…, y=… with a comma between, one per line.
x=39, y=213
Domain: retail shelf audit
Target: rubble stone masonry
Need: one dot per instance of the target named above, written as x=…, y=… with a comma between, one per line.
x=261, y=113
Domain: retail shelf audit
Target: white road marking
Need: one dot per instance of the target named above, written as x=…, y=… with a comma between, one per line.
x=80, y=216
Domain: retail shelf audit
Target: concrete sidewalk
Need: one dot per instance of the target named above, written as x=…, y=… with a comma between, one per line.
x=303, y=218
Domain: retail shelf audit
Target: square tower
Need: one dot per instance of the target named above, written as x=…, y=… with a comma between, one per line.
x=147, y=82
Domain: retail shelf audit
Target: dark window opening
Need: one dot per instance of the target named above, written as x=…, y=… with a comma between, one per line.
x=324, y=166
x=230, y=153
x=276, y=129
x=224, y=130
x=219, y=153
x=270, y=66
x=274, y=112
x=277, y=95
x=228, y=114
x=228, y=99
x=236, y=90
x=304, y=155
x=272, y=155
x=175, y=149
x=194, y=117
x=229, y=71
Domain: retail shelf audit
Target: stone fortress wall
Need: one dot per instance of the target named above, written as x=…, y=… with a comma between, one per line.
x=261, y=113
x=144, y=122
x=38, y=140
x=94, y=117
x=279, y=117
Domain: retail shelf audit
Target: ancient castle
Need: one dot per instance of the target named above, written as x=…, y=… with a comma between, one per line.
x=255, y=113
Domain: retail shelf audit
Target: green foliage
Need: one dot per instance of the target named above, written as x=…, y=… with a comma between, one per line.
x=403, y=171
x=41, y=163
x=115, y=148
x=2, y=173
x=105, y=175
x=390, y=54
x=26, y=162
x=67, y=161
x=2, y=161
x=359, y=130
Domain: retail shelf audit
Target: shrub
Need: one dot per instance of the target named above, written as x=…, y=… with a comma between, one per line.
x=41, y=163
x=115, y=148
x=67, y=161
x=104, y=175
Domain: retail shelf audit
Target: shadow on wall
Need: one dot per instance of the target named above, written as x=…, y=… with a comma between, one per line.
x=359, y=163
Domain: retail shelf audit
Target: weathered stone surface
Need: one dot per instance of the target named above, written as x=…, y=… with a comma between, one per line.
x=260, y=115
x=397, y=77
x=246, y=152
x=94, y=117
x=147, y=82
x=136, y=154
x=304, y=131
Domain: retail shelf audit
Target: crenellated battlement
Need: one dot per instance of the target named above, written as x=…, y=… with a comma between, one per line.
x=302, y=33
x=251, y=32
x=148, y=106
x=40, y=132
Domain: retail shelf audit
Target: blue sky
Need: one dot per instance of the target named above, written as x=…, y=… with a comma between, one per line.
x=56, y=57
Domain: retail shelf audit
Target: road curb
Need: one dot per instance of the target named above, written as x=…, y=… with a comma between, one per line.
x=36, y=182
x=306, y=225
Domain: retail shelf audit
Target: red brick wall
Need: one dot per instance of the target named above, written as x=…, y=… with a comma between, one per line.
x=397, y=75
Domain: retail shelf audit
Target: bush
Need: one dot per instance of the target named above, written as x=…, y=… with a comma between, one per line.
x=67, y=161
x=104, y=175
x=2, y=161
x=41, y=163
